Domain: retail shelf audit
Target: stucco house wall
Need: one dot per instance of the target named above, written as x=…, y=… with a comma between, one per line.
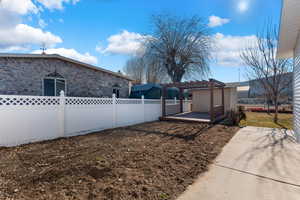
x=24, y=76
x=201, y=99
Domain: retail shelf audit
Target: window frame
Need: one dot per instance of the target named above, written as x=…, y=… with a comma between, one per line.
x=54, y=78
x=117, y=89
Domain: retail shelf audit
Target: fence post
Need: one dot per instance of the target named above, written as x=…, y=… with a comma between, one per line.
x=161, y=105
x=114, y=111
x=175, y=100
x=61, y=117
x=143, y=103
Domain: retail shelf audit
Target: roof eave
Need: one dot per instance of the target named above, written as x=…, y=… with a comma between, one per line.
x=57, y=56
x=289, y=28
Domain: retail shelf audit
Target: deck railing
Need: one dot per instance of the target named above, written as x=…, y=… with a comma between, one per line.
x=218, y=111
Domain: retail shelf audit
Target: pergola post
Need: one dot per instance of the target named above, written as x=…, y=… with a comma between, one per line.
x=181, y=99
x=223, y=101
x=163, y=106
x=209, y=85
x=212, y=111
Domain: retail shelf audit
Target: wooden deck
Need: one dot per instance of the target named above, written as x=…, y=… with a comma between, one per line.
x=188, y=116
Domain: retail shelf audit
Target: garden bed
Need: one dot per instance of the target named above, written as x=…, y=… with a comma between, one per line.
x=155, y=160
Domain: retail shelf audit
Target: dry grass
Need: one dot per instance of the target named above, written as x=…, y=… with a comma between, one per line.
x=266, y=120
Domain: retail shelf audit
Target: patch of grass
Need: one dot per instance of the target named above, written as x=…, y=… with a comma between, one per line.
x=266, y=120
x=164, y=196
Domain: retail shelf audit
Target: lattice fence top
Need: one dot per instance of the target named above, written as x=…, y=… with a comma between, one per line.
x=88, y=101
x=128, y=101
x=9, y=100
x=28, y=101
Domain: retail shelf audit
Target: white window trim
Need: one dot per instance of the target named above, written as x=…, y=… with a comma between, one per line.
x=53, y=78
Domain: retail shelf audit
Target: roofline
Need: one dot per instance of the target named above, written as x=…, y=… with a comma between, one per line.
x=286, y=41
x=280, y=22
x=57, y=56
x=226, y=87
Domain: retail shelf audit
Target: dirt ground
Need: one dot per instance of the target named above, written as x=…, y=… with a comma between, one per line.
x=156, y=161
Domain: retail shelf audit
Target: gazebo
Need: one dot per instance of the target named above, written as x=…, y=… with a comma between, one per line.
x=215, y=113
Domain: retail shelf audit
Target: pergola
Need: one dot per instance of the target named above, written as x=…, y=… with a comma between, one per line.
x=212, y=84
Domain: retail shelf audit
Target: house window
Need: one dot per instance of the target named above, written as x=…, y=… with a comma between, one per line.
x=49, y=87
x=116, y=91
x=53, y=84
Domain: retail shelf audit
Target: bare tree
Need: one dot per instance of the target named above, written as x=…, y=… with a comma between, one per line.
x=155, y=71
x=135, y=68
x=264, y=67
x=145, y=70
x=181, y=45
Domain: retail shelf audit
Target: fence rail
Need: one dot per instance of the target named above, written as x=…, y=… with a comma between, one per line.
x=26, y=119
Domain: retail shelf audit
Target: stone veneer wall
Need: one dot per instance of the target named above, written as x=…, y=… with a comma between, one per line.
x=24, y=76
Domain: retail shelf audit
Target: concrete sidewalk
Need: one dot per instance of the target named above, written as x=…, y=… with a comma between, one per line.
x=258, y=163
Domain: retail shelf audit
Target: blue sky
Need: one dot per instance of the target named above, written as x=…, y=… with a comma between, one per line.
x=107, y=32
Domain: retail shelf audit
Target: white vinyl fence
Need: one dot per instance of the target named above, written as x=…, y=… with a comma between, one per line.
x=26, y=119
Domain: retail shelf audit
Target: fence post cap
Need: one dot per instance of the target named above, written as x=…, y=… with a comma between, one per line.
x=62, y=93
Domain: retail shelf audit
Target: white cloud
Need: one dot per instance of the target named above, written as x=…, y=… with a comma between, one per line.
x=42, y=23
x=128, y=43
x=11, y=12
x=23, y=36
x=217, y=21
x=8, y=19
x=20, y=7
x=15, y=35
x=226, y=52
x=71, y=53
x=61, y=20
x=228, y=48
x=56, y=4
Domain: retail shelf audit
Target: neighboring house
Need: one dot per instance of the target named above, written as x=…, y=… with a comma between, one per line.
x=289, y=47
x=47, y=75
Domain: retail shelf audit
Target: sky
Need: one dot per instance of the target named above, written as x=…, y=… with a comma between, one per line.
x=106, y=33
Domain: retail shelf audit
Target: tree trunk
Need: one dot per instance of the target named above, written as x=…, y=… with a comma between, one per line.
x=177, y=77
x=268, y=104
x=276, y=110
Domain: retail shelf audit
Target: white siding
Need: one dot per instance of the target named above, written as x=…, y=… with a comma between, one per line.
x=297, y=91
